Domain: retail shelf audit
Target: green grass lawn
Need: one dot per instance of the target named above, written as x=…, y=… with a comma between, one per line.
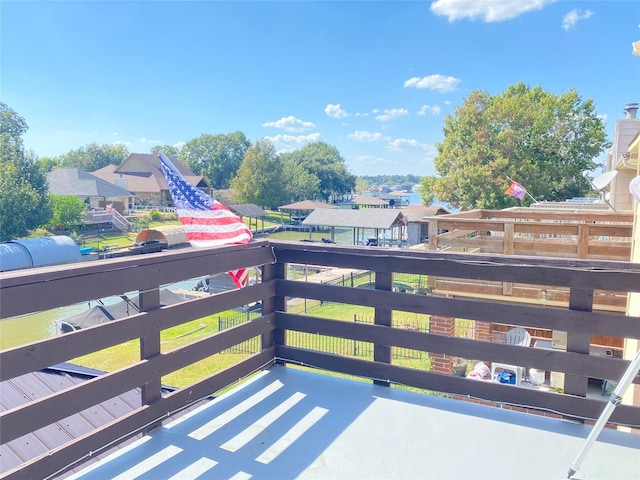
x=120, y=356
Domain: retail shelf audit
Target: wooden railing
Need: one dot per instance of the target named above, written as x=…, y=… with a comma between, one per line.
x=592, y=235
x=33, y=290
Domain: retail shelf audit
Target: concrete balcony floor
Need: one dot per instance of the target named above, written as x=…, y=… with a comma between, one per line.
x=288, y=423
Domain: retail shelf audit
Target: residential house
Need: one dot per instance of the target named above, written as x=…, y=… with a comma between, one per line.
x=141, y=173
x=623, y=157
x=95, y=191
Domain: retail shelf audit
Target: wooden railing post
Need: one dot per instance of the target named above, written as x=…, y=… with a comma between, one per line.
x=433, y=234
x=383, y=316
x=583, y=241
x=149, y=347
x=275, y=271
x=507, y=245
x=579, y=299
x=432, y=245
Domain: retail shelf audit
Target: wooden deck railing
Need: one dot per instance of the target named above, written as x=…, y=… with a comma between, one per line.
x=592, y=235
x=28, y=291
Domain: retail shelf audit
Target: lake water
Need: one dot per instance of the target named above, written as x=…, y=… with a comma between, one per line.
x=414, y=198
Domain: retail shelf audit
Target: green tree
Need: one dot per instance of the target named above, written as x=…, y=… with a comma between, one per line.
x=260, y=177
x=541, y=140
x=169, y=150
x=24, y=201
x=67, y=211
x=215, y=157
x=94, y=156
x=297, y=183
x=46, y=164
x=324, y=161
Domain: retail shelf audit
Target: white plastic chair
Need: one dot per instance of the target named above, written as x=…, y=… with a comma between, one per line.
x=515, y=336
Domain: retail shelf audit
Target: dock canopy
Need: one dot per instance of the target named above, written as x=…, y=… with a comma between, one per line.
x=377, y=219
x=252, y=212
x=172, y=235
x=303, y=208
x=306, y=205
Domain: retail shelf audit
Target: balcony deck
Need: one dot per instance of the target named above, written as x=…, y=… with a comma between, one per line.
x=290, y=423
x=309, y=425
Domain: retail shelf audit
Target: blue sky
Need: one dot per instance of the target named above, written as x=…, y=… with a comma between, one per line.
x=374, y=79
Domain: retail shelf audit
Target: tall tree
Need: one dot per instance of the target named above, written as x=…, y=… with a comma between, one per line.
x=215, y=157
x=46, y=164
x=260, y=177
x=541, y=140
x=297, y=183
x=94, y=156
x=67, y=211
x=169, y=150
x=324, y=161
x=24, y=201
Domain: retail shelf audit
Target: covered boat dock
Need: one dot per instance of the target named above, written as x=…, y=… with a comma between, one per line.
x=379, y=220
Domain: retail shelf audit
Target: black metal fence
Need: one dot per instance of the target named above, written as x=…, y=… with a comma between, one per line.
x=411, y=284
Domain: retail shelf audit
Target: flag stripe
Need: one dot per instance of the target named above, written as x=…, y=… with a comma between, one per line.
x=206, y=221
x=203, y=240
x=212, y=216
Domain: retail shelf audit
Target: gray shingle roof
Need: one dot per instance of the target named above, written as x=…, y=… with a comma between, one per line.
x=73, y=181
x=143, y=173
x=363, y=218
x=248, y=210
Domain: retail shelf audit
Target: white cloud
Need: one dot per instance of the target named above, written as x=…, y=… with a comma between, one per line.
x=364, y=136
x=391, y=114
x=121, y=142
x=486, y=10
x=403, y=144
x=573, y=17
x=335, y=111
x=436, y=82
x=435, y=110
x=153, y=142
x=179, y=145
x=285, y=143
x=290, y=124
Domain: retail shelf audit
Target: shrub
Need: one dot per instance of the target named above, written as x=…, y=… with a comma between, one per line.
x=155, y=216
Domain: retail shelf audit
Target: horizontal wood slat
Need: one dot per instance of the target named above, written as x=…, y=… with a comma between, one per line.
x=529, y=270
x=43, y=354
x=598, y=323
x=556, y=360
x=546, y=215
x=32, y=290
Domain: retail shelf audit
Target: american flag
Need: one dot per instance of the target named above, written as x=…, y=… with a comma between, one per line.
x=206, y=221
